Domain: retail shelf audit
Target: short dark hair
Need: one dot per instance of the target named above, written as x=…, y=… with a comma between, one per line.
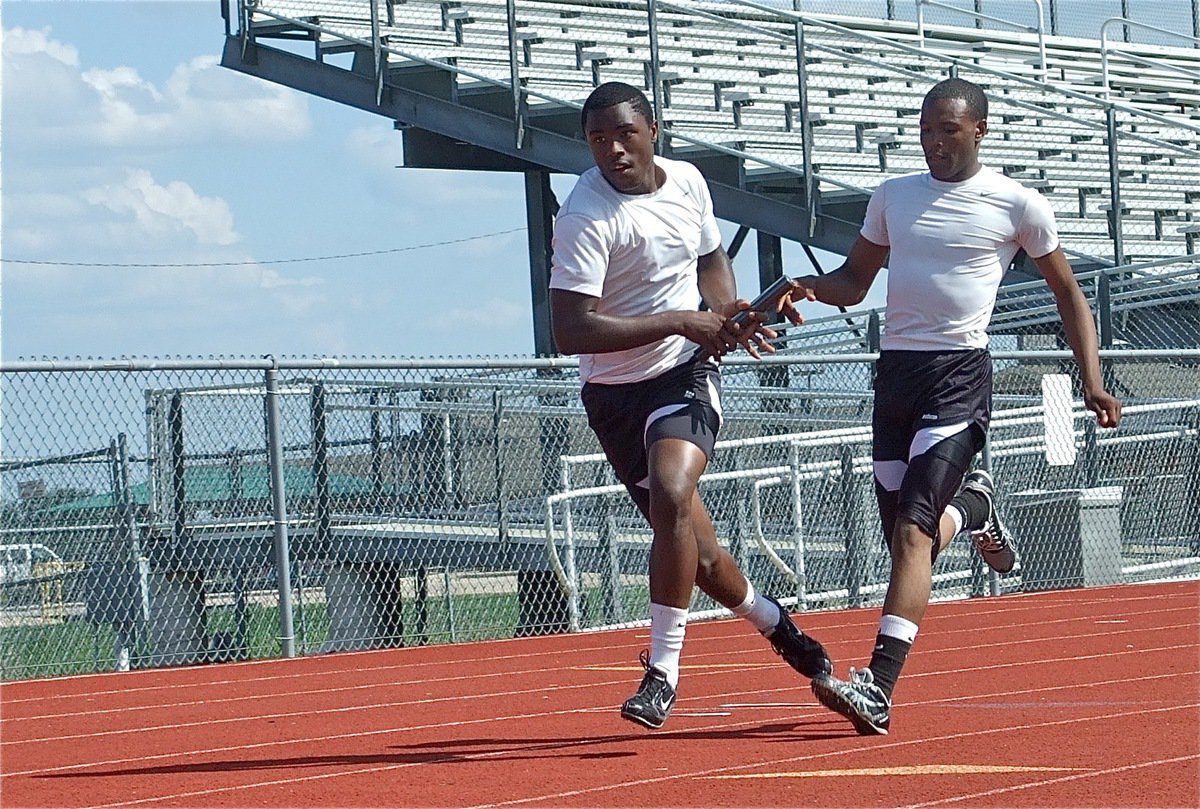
x=612, y=93
x=971, y=94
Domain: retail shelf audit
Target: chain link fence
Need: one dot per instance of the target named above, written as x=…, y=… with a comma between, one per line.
x=161, y=513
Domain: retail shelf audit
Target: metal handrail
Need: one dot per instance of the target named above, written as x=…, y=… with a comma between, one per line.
x=950, y=61
x=1123, y=21
x=1040, y=29
x=768, y=16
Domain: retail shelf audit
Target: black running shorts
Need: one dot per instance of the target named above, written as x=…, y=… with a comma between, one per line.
x=684, y=402
x=931, y=415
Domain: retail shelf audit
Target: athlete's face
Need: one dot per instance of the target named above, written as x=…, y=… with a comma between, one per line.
x=950, y=138
x=622, y=144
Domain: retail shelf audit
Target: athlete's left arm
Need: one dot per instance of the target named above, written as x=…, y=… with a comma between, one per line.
x=718, y=288
x=1080, y=331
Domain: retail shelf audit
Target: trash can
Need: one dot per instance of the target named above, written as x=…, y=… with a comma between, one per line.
x=1067, y=537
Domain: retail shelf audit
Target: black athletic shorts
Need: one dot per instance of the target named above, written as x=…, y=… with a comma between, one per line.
x=923, y=399
x=627, y=418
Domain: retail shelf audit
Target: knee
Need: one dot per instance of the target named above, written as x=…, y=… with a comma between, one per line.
x=671, y=501
x=909, y=541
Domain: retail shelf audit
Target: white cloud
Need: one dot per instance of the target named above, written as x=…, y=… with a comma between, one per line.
x=22, y=41
x=157, y=212
x=50, y=101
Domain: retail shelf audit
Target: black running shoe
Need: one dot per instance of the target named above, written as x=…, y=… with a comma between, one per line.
x=798, y=650
x=859, y=700
x=652, y=703
x=992, y=539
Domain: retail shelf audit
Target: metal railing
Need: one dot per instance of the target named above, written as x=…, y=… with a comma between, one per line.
x=1106, y=48
x=1129, y=130
x=1039, y=29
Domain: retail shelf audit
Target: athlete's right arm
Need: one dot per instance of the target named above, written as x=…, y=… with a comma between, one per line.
x=579, y=329
x=848, y=284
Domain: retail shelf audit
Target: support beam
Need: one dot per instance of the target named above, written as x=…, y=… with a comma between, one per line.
x=551, y=151
x=540, y=208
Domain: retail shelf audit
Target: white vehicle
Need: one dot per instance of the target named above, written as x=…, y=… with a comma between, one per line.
x=26, y=561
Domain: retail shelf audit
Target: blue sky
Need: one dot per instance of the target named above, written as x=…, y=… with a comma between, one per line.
x=125, y=142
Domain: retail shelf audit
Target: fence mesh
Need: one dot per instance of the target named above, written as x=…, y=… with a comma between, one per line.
x=427, y=504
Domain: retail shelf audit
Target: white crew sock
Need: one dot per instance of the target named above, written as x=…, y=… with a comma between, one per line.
x=758, y=611
x=896, y=627
x=667, y=628
x=957, y=517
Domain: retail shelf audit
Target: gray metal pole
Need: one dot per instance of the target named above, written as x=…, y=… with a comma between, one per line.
x=377, y=51
x=655, y=88
x=1114, y=179
x=514, y=75
x=806, y=129
x=287, y=636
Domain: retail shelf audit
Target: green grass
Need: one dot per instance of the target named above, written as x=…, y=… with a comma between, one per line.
x=77, y=646
x=55, y=650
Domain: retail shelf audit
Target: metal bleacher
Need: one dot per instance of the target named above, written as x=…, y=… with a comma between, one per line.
x=791, y=146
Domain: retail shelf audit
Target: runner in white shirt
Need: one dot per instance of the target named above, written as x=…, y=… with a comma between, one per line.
x=951, y=233
x=636, y=251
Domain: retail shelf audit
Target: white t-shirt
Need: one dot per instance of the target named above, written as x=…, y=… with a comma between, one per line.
x=637, y=253
x=950, y=245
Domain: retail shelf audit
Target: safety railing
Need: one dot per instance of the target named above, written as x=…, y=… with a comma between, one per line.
x=1107, y=49
x=1039, y=29
x=1126, y=137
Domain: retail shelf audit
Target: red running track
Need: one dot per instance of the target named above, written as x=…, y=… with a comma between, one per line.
x=1073, y=698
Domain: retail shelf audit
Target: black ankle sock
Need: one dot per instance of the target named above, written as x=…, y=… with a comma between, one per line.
x=887, y=660
x=974, y=507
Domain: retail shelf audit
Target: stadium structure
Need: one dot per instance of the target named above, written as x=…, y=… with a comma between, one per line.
x=794, y=117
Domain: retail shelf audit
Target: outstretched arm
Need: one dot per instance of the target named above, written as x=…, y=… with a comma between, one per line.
x=848, y=284
x=1080, y=331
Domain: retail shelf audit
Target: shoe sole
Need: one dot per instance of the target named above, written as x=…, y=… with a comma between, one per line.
x=641, y=720
x=833, y=701
x=1000, y=561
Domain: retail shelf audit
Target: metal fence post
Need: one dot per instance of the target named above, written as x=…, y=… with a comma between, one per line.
x=499, y=449
x=851, y=529
x=121, y=550
x=798, y=531
x=320, y=463
x=287, y=638
x=985, y=463
x=178, y=484
x=376, y=447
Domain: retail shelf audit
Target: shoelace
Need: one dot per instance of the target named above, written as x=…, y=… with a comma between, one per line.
x=987, y=539
x=644, y=659
x=862, y=676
